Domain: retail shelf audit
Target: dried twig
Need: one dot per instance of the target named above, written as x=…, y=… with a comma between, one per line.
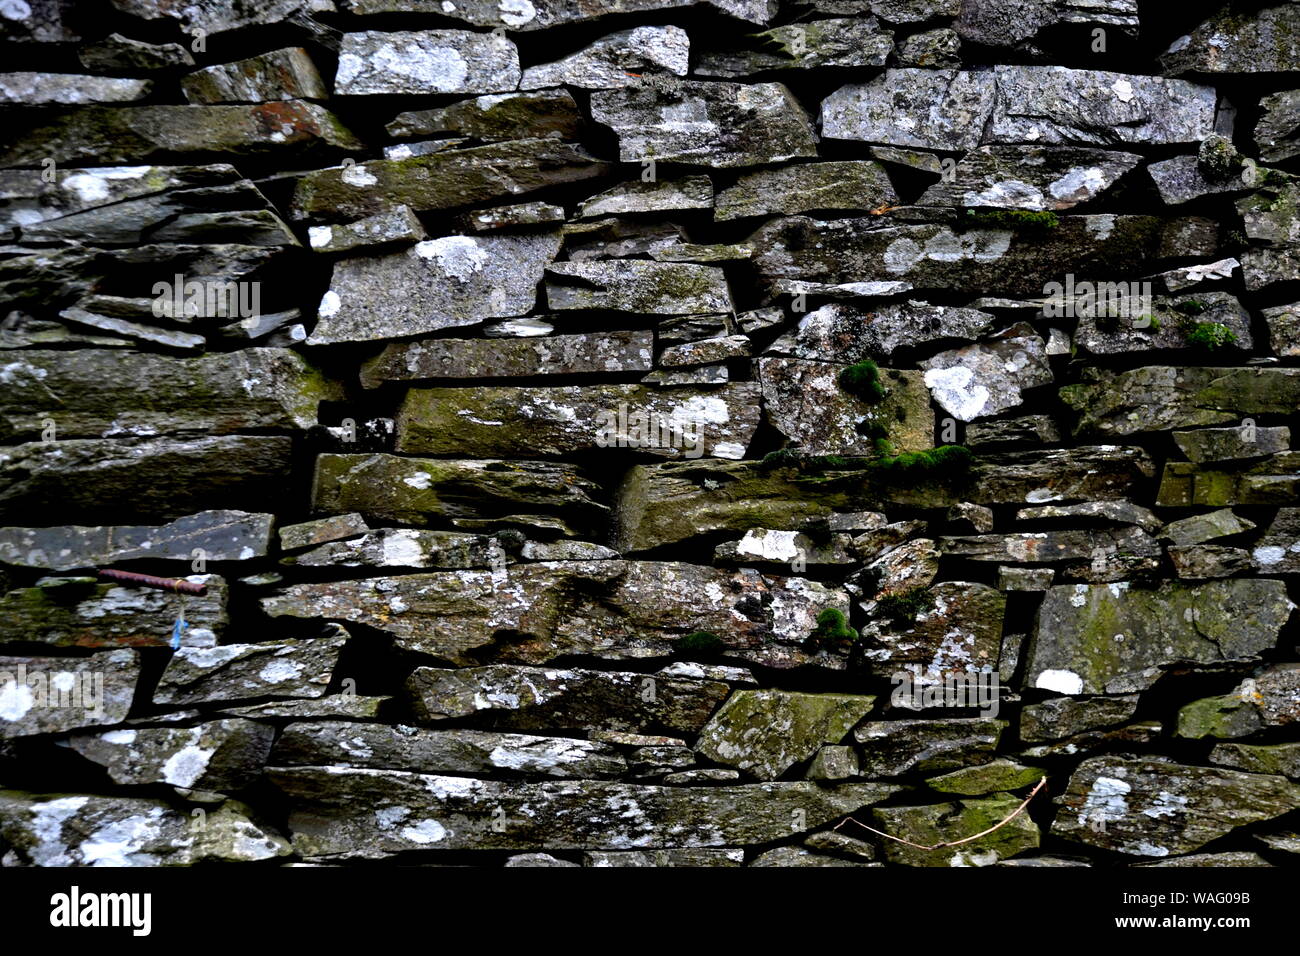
x=939, y=846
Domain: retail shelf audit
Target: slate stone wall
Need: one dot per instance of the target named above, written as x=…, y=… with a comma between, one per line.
x=649, y=432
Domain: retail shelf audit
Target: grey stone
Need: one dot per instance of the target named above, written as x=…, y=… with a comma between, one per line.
x=42, y=695
x=46, y=89
x=894, y=747
x=426, y=61
x=1115, y=639
x=118, y=52
x=436, y=284
x=88, y=830
x=849, y=186
x=1153, y=808
x=287, y=74
x=398, y=224
x=1235, y=42
x=495, y=116
x=532, y=698
x=815, y=44
x=1277, y=133
x=477, y=359
x=224, y=755
x=655, y=288
x=375, y=813
x=347, y=744
x=610, y=609
x=287, y=668
x=988, y=377
x=216, y=535
x=1059, y=717
x=295, y=537
x=1030, y=177
x=560, y=420
x=730, y=124
x=617, y=60
x=689, y=192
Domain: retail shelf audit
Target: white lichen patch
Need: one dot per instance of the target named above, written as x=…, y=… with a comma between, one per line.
x=1059, y=681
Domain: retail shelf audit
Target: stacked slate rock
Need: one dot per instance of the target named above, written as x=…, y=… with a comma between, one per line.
x=649, y=432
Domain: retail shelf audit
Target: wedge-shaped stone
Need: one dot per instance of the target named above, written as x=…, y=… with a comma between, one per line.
x=286, y=74
x=1030, y=177
x=1117, y=639
x=535, y=613
x=421, y=491
x=495, y=116
x=1016, y=23
x=633, y=285
x=673, y=502
x=157, y=478
x=1060, y=717
x=436, y=284
x=729, y=124
x=348, y=744
x=894, y=747
x=135, y=134
x=290, y=668
x=545, y=699
x=220, y=756
x=119, y=204
x=1281, y=759
x=1238, y=42
x=803, y=401
x=78, y=612
x=956, y=821
x=219, y=535
x=1271, y=698
x=445, y=180
x=617, y=60
x=927, y=109
x=995, y=261
x=564, y=420
x=1155, y=808
x=109, y=393
x=43, y=695
x=1160, y=397
x=426, y=61
x=86, y=830
x=766, y=732
x=585, y=353
x=376, y=813
x=1074, y=550
x=835, y=42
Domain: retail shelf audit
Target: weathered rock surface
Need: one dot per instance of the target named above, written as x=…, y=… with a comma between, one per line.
x=986, y=378
x=632, y=285
x=42, y=695
x=1030, y=177
x=79, y=612
x=727, y=124
x=346, y=744
x=1115, y=639
x=617, y=60
x=406, y=811
x=947, y=822
x=509, y=697
x=213, y=535
x=894, y=747
x=767, y=732
x=1154, y=808
x=420, y=491
x=287, y=74
x=225, y=755
x=87, y=830
x=289, y=668
x=562, y=420
x=436, y=284
x=535, y=613
x=427, y=61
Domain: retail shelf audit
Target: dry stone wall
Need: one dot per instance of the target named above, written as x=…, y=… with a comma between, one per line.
x=649, y=432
